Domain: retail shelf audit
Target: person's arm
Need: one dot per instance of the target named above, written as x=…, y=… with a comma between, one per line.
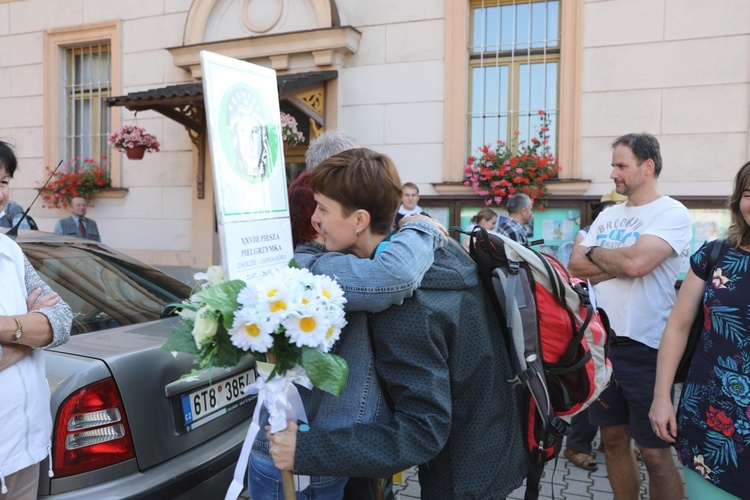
x=634, y=261
x=54, y=313
x=671, y=349
x=417, y=376
x=582, y=268
x=373, y=285
x=11, y=354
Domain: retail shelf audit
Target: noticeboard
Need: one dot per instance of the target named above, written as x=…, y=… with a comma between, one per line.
x=558, y=228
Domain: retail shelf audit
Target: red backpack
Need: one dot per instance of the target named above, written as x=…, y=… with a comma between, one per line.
x=558, y=341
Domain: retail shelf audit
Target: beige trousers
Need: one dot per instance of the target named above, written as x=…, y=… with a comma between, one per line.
x=22, y=485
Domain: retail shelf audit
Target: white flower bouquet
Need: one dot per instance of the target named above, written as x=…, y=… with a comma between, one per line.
x=290, y=318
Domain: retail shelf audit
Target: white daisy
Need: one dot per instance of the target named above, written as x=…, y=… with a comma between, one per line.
x=251, y=330
x=330, y=290
x=306, y=327
x=336, y=322
x=248, y=296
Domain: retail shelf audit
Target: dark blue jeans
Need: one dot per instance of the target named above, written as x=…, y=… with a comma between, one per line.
x=581, y=434
x=265, y=483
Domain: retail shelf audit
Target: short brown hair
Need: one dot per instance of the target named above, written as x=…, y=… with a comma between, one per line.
x=361, y=179
x=410, y=185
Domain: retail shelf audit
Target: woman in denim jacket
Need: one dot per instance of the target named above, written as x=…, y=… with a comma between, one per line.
x=440, y=355
x=369, y=287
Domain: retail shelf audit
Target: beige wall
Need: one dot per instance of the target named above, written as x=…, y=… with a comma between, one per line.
x=679, y=69
x=676, y=68
x=392, y=90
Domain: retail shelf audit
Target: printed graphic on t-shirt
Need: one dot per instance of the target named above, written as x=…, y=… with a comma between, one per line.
x=617, y=233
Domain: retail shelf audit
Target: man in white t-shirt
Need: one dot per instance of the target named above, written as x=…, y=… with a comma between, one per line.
x=633, y=254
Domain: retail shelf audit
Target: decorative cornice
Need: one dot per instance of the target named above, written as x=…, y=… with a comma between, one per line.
x=281, y=51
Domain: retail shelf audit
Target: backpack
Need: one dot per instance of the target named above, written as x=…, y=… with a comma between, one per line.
x=558, y=341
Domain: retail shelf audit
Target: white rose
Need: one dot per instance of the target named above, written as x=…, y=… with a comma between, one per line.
x=213, y=276
x=206, y=324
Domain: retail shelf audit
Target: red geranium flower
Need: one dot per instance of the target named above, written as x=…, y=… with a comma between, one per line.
x=519, y=167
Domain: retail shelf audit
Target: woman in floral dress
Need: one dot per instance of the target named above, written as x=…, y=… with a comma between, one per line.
x=712, y=435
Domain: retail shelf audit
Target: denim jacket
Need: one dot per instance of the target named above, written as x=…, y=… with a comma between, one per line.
x=370, y=285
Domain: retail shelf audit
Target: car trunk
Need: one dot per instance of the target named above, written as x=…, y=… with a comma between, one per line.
x=149, y=381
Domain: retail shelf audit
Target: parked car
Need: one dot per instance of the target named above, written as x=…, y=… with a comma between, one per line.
x=126, y=424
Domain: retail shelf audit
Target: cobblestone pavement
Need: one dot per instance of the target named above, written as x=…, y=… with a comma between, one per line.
x=568, y=481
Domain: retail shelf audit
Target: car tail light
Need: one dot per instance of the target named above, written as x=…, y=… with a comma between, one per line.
x=91, y=431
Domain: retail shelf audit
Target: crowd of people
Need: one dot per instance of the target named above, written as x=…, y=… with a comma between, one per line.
x=420, y=390
x=631, y=254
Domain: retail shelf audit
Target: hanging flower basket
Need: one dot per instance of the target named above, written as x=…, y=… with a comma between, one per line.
x=136, y=153
x=290, y=135
x=134, y=141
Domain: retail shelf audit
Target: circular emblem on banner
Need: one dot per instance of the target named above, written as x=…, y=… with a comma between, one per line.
x=248, y=133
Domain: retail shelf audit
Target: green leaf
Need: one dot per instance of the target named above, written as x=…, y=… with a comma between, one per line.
x=181, y=340
x=223, y=296
x=294, y=264
x=226, y=355
x=326, y=371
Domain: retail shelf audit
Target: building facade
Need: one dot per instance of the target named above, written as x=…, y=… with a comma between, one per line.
x=424, y=81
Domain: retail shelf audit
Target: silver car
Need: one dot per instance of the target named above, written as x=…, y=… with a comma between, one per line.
x=126, y=425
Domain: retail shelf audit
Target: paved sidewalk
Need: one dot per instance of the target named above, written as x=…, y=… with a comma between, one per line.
x=569, y=482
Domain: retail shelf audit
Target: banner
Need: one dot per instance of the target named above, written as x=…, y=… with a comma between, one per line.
x=247, y=157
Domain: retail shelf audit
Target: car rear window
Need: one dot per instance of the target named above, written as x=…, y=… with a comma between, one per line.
x=104, y=288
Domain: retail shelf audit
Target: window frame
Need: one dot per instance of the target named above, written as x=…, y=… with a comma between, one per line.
x=56, y=43
x=457, y=37
x=513, y=59
x=80, y=91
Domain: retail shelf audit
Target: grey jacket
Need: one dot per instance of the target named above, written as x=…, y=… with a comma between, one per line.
x=69, y=225
x=444, y=363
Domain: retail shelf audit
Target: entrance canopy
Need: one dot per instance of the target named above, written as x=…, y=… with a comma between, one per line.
x=183, y=103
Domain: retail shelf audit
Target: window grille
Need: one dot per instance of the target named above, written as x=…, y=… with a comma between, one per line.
x=87, y=117
x=514, y=54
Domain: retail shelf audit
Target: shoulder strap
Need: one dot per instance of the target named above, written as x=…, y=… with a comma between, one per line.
x=713, y=257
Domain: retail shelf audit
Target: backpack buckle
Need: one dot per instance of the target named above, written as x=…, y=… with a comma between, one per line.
x=513, y=267
x=558, y=425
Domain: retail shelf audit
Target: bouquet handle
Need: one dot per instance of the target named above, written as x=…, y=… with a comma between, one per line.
x=287, y=476
x=287, y=481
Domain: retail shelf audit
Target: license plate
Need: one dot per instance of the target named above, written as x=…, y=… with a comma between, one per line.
x=205, y=404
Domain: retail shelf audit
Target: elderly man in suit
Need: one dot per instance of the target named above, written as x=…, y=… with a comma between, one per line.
x=78, y=224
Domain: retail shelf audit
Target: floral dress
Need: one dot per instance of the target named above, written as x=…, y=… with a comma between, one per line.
x=714, y=413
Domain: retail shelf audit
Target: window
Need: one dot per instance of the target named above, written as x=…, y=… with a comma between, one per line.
x=514, y=56
x=81, y=67
x=87, y=117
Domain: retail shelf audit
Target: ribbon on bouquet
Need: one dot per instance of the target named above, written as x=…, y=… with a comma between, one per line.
x=281, y=397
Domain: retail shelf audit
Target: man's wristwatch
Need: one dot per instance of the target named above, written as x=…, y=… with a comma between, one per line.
x=19, y=330
x=589, y=252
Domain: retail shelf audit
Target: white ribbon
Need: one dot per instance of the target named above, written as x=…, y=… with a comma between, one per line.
x=281, y=397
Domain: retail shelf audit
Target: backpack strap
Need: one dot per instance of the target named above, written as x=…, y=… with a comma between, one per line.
x=713, y=257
